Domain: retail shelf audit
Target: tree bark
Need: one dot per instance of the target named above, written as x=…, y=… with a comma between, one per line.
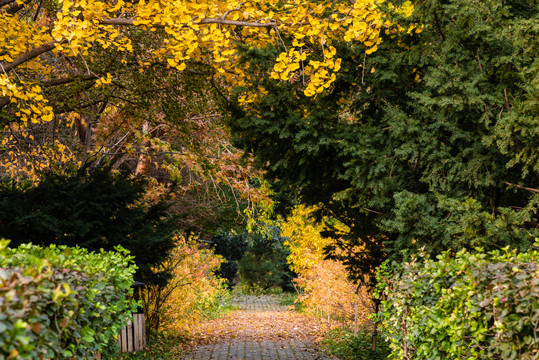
x=31, y=54
x=143, y=160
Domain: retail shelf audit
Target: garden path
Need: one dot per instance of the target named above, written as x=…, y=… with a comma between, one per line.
x=259, y=329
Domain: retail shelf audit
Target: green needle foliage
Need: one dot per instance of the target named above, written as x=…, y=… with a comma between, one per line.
x=232, y=248
x=95, y=210
x=263, y=266
x=437, y=146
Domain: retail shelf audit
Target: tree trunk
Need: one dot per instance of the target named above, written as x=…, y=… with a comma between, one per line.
x=143, y=160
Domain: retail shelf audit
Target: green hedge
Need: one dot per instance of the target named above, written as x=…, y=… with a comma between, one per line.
x=61, y=302
x=467, y=306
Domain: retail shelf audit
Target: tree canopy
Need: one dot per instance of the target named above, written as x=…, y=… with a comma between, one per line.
x=413, y=122
x=429, y=141
x=49, y=43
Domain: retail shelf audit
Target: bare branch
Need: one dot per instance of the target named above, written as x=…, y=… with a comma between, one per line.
x=122, y=21
x=238, y=23
x=231, y=11
x=479, y=61
x=373, y=211
x=506, y=99
x=523, y=187
x=38, y=10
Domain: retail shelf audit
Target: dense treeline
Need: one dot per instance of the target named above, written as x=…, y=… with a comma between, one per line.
x=428, y=142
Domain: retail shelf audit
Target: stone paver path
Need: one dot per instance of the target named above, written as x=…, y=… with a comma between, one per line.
x=260, y=329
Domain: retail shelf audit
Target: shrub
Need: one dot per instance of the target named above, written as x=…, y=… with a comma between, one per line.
x=324, y=285
x=61, y=302
x=264, y=266
x=95, y=209
x=192, y=292
x=232, y=248
x=468, y=306
x=347, y=346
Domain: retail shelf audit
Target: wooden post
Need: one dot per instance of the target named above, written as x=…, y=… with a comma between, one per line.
x=133, y=335
x=357, y=311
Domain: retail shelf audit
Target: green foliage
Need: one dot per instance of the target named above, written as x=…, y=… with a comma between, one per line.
x=161, y=346
x=232, y=248
x=61, y=302
x=264, y=266
x=467, y=306
x=96, y=210
x=343, y=344
x=291, y=299
x=437, y=146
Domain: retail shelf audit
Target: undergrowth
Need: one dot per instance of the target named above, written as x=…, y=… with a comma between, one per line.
x=291, y=299
x=162, y=346
x=343, y=344
x=243, y=289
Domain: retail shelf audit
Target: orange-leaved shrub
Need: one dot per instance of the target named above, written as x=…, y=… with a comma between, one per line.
x=323, y=284
x=191, y=292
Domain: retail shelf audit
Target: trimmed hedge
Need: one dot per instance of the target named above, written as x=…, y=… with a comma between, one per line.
x=468, y=306
x=60, y=302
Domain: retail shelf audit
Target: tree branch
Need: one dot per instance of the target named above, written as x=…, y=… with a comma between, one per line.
x=238, y=23
x=38, y=10
x=31, y=54
x=15, y=8
x=523, y=187
x=506, y=99
x=68, y=80
x=4, y=101
x=122, y=21
x=6, y=2
x=438, y=26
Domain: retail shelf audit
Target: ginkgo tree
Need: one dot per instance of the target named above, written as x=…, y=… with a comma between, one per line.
x=42, y=40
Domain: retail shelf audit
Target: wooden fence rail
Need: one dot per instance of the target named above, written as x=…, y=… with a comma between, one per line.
x=133, y=336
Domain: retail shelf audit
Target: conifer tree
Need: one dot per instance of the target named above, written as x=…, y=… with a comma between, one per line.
x=95, y=210
x=430, y=141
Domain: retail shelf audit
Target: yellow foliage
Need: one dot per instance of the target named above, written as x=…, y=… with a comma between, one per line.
x=323, y=284
x=26, y=156
x=193, y=292
x=42, y=47
x=201, y=30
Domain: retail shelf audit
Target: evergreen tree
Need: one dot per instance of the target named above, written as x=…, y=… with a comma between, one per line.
x=95, y=209
x=430, y=141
